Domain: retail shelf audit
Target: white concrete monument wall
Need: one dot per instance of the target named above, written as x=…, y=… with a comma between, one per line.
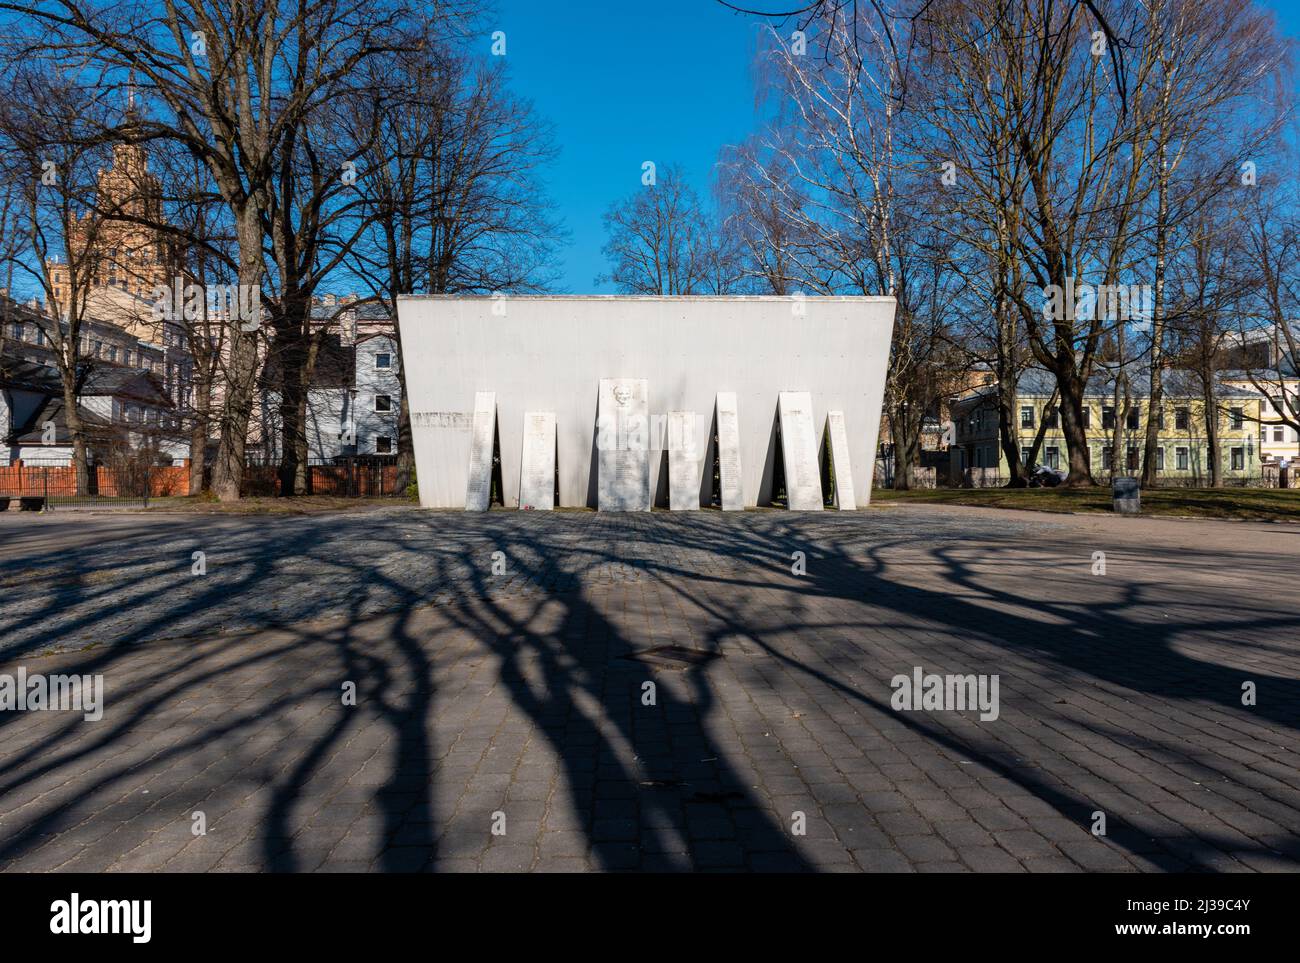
x=551, y=353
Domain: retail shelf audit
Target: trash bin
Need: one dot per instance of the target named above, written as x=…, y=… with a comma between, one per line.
x=1126, y=495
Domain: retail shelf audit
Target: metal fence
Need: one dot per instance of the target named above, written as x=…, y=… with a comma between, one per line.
x=343, y=477
x=27, y=487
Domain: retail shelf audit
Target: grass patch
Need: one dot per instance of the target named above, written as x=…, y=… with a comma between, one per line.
x=1253, y=504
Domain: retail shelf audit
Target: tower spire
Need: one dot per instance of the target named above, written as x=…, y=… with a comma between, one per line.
x=130, y=92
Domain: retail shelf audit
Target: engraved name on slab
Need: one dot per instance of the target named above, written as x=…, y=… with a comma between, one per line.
x=837, y=443
x=730, y=490
x=803, y=481
x=683, y=462
x=453, y=420
x=537, y=471
x=622, y=441
x=478, y=489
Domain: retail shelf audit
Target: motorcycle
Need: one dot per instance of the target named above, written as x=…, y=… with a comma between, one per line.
x=1040, y=476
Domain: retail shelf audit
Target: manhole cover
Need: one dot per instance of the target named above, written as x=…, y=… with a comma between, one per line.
x=672, y=656
x=717, y=797
x=661, y=784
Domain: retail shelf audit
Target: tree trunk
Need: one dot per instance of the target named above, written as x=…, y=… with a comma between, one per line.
x=405, y=445
x=236, y=410
x=293, y=409
x=1118, y=452
x=1008, y=435
x=199, y=433
x=1155, y=401
x=72, y=417
x=1212, y=435
x=237, y=407
x=902, y=478
x=302, y=454
x=1071, y=387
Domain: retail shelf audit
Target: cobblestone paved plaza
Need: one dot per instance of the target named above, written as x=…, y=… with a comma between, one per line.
x=500, y=719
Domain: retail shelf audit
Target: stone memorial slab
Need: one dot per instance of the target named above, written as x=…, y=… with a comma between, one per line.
x=837, y=447
x=683, y=462
x=803, y=477
x=478, y=489
x=622, y=443
x=729, y=483
x=537, y=467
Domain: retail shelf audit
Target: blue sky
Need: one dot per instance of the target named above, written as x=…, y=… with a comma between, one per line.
x=624, y=83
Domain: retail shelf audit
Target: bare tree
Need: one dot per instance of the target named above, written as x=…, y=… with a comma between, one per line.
x=229, y=82
x=1216, y=65
x=967, y=146
x=1208, y=289
x=855, y=217
x=1267, y=337
x=454, y=201
x=768, y=242
x=661, y=240
x=52, y=133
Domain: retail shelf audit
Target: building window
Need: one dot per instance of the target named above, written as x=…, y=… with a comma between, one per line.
x=1236, y=417
x=1024, y=456
x=1132, y=458
x=1279, y=433
x=1238, y=459
x=1180, y=458
x=1133, y=417
x=1052, y=417
x=1026, y=417
x=383, y=403
x=384, y=360
x=383, y=445
x=1107, y=457
x=1160, y=419
x=1107, y=417
x=1160, y=459
x=1053, y=457
x=1087, y=417
x=1182, y=418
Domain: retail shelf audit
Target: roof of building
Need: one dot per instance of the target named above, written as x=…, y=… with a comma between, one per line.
x=118, y=381
x=20, y=375
x=1177, y=383
x=369, y=311
x=32, y=430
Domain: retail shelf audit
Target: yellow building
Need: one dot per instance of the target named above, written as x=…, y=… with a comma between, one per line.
x=1277, y=442
x=1183, y=451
